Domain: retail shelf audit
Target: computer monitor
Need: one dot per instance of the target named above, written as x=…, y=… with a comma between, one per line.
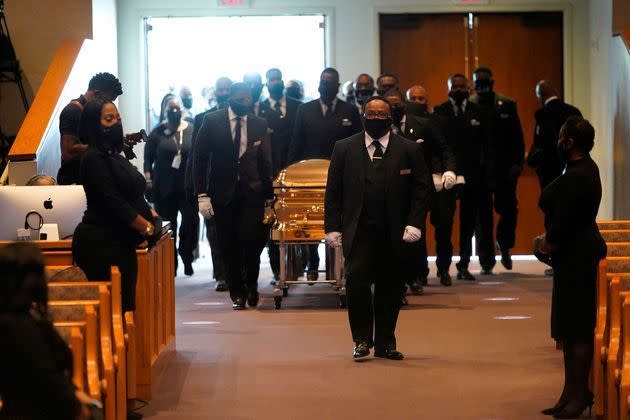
x=63, y=205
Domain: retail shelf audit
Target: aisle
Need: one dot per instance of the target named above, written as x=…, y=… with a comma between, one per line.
x=473, y=351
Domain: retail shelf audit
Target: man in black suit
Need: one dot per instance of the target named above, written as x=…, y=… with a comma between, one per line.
x=222, y=94
x=385, y=83
x=462, y=126
x=508, y=153
x=376, y=195
x=232, y=177
x=543, y=155
x=319, y=124
x=363, y=89
x=440, y=162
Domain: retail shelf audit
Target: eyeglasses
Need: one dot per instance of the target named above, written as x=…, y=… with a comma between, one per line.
x=381, y=115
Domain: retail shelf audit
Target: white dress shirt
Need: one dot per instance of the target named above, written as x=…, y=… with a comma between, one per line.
x=325, y=107
x=455, y=105
x=551, y=99
x=371, y=148
x=256, y=108
x=283, y=104
x=232, y=116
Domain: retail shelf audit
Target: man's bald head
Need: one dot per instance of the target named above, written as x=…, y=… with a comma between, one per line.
x=417, y=94
x=545, y=90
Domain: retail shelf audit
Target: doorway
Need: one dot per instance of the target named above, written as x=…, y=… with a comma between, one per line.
x=194, y=52
x=520, y=48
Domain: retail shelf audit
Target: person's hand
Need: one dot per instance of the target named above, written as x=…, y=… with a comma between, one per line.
x=333, y=239
x=205, y=207
x=437, y=182
x=128, y=143
x=449, y=179
x=154, y=213
x=412, y=234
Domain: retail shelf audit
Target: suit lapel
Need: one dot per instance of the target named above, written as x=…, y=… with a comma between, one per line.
x=390, y=160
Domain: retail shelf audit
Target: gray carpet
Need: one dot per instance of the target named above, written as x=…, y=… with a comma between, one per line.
x=461, y=361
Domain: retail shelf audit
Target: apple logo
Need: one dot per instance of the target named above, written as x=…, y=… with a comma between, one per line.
x=48, y=204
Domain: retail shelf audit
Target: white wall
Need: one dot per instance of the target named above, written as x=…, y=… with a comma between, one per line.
x=105, y=33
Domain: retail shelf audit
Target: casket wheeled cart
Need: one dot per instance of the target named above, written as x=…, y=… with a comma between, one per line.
x=299, y=221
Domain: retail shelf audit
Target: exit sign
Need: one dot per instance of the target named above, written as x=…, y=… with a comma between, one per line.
x=233, y=3
x=471, y=2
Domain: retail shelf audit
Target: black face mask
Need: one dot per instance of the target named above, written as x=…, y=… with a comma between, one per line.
x=483, y=87
x=419, y=110
x=376, y=127
x=328, y=91
x=111, y=139
x=256, y=92
x=239, y=109
x=187, y=102
x=223, y=99
x=363, y=95
x=174, y=117
x=293, y=92
x=275, y=91
x=458, y=96
x=383, y=90
x=398, y=112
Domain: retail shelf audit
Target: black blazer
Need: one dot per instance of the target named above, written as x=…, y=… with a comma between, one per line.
x=314, y=136
x=438, y=154
x=506, y=133
x=216, y=170
x=549, y=119
x=408, y=189
x=468, y=140
x=282, y=132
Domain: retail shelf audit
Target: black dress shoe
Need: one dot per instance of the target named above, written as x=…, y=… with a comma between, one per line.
x=252, y=298
x=424, y=281
x=486, y=272
x=238, y=303
x=188, y=269
x=506, y=260
x=221, y=286
x=361, y=350
x=389, y=353
x=276, y=278
x=312, y=276
x=464, y=274
x=416, y=287
x=445, y=278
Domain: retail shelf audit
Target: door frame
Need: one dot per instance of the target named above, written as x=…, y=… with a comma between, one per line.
x=567, y=28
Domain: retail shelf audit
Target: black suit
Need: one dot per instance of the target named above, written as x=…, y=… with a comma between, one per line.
x=370, y=202
x=544, y=154
x=237, y=188
x=314, y=137
x=508, y=150
x=467, y=136
x=439, y=158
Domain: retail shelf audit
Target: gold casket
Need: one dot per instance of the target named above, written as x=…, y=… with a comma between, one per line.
x=299, y=206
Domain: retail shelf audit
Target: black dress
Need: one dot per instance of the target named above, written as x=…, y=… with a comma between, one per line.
x=36, y=368
x=570, y=204
x=115, y=197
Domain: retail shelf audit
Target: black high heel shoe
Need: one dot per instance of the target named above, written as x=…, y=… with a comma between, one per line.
x=576, y=411
x=555, y=409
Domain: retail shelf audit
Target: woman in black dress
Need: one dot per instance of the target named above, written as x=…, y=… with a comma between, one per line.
x=573, y=241
x=117, y=218
x=35, y=362
x=165, y=159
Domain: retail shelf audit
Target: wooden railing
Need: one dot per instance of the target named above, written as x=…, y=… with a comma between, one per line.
x=36, y=148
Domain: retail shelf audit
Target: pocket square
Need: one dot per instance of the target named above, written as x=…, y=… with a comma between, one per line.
x=475, y=123
x=257, y=143
x=405, y=171
x=420, y=141
x=505, y=116
x=346, y=122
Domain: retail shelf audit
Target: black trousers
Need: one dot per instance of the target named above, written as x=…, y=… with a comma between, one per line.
x=468, y=211
x=95, y=249
x=241, y=238
x=503, y=201
x=313, y=258
x=218, y=266
x=442, y=213
x=168, y=208
x=373, y=317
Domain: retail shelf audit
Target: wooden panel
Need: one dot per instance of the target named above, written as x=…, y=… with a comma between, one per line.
x=501, y=41
x=620, y=54
x=39, y=116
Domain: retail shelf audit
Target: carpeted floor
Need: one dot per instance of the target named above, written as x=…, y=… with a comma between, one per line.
x=462, y=360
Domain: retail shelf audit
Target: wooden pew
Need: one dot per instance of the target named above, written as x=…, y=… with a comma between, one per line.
x=616, y=235
x=120, y=340
x=613, y=224
x=74, y=339
x=624, y=386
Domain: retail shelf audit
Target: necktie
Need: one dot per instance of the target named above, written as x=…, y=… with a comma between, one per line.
x=278, y=107
x=237, y=138
x=378, y=151
x=460, y=110
x=329, y=109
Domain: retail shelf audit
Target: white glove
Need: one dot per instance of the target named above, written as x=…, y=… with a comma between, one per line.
x=333, y=239
x=438, y=182
x=412, y=234
x=205, y=207
x=449, y=179
x=460, y=179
